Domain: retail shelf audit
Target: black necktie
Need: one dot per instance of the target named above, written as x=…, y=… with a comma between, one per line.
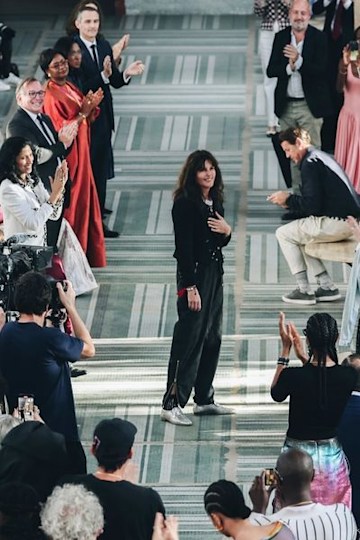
x=337, y=28
x=94, y=53
x=45, y=130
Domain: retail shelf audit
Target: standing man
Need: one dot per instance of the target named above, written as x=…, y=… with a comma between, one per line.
x=326, y=198
x=34, y=358
x=299, y=59
x=99, y=70
x=339, y=30
x=51, y=147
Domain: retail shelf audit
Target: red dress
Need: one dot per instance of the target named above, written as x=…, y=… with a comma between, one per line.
x=62, y=104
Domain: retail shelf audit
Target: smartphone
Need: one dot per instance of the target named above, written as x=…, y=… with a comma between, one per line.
x=354, y=50
x=26, y=407
x=270, y=477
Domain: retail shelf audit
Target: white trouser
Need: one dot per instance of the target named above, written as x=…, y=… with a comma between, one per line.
x=293, y=236
x=266, y=39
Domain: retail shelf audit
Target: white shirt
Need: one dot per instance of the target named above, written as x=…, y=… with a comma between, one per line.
x=295, y=88
x=314, y=521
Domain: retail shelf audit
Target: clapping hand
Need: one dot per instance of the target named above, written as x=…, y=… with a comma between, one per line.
x=135, y=68
x=119, y=46
x=68, y=133
x=107, y=67
x=165, y=529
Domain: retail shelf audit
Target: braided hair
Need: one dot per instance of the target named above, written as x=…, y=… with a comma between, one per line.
x=322, y=334
x=226, y=497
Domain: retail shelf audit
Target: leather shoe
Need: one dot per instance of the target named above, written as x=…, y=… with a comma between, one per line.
x=107, y=212
x=175, y=416
x=212, y=409
x=75, y=372
x=108, y=233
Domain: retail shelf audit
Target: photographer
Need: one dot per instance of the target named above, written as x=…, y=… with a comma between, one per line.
x=34, y=359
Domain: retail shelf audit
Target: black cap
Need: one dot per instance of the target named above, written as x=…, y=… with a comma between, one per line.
x=113, y=439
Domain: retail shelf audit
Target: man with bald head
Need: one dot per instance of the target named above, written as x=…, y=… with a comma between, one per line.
x=307, y=519
x=298, y=60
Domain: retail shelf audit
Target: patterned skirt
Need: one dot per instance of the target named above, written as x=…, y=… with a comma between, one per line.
x=331, y=483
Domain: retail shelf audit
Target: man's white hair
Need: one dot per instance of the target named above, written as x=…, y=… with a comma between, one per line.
x=72, y=512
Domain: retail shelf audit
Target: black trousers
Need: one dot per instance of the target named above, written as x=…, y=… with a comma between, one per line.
x=102, y=160
x=5, y=53
x=196, y=340
x=76, y=456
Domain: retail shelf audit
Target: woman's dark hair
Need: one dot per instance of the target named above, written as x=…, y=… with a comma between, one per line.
x=9, y=151
x=70, y=27
x=187, y=184
x=32, y=293
x=46, y=57
x=226, y=497
x=63, y=45
x=322, y=334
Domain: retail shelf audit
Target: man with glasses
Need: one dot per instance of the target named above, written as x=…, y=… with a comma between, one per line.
x=51, y=147
x=307, y=519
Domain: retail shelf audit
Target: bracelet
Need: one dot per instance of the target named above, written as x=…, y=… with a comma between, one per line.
x=192, y=288
x=282, y=361
x=83, y=116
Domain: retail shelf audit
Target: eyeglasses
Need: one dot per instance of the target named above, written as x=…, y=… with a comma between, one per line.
x=58, y=65
x=34, y=94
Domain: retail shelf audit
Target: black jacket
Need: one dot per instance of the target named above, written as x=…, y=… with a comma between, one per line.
x=195, y=243
x=313, y=71
x=325, y=189
x=347, y=19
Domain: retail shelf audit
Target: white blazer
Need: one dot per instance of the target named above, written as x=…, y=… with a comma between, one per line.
x=26, y=210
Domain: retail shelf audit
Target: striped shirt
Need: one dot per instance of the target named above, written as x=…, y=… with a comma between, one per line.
x=314, y=521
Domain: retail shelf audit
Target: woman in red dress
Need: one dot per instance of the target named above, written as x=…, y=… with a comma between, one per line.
x=65, y=103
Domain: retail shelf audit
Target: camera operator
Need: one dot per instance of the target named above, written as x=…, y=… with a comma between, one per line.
x=34, y=358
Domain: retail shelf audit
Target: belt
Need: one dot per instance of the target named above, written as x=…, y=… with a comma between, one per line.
x=295, y=99
x=319, y=442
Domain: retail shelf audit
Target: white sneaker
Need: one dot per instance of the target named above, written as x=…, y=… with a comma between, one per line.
x=12, y=79
x=4, y=86
x=212, y=409
x=175, y=416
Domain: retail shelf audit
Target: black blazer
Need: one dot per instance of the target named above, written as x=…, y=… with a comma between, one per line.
x=347, y=20
x=21, y=125
x=91, y=75
x=313, y=71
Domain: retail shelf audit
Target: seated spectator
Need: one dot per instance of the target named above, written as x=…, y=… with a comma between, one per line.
x=72, y=513
x=33, y=454
x=224, y=503
x=129, y=509
x=326, y=198
x=19, y=512
x=347, y=146
x=318, y=394
x=307, y=519
x=7, y=77
x=349, y=435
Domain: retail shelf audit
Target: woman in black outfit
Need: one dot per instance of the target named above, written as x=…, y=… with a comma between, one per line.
x=318, y=395
x=200, y=233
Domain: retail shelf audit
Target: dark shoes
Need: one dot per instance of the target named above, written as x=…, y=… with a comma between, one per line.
x=108, y=233
x=327, y=295
x=107, y=212
x=298, y=297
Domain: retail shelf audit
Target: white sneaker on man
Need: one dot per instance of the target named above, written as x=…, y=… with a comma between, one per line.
x=4, y=86
x=175, y=416
x=12, y=79
x=212, y=409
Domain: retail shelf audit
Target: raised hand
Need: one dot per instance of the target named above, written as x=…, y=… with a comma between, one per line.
x=219, y=225
x=68, y=133
x=297, y=343
x=285, y=335
x=135, y=68
x=107, y=67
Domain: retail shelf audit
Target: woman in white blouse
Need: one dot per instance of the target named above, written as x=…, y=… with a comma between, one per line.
x=25, y=202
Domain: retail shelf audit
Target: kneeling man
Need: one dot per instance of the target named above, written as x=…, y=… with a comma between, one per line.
x=326, y=198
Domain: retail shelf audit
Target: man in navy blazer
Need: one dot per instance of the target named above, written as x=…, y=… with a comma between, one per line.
x=349, y=435
x=51, y=147
x=98, y=69
x=339, y=30
x=299, y=61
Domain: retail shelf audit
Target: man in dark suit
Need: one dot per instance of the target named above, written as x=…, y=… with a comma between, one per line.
x=339, y=30
x=51, y=147
x=99, y=70
x=349, y=436
x=298, y=60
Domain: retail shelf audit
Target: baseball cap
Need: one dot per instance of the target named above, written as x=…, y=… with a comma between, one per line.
x=114, y=438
